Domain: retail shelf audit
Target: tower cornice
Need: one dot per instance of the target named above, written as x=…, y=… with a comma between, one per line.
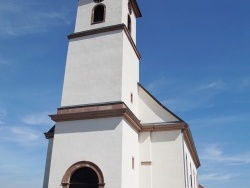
x=120, y=109
x=104, y=30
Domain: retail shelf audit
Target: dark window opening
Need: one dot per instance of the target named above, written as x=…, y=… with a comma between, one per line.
x=98, y=14
x=84, y=178
x=129, y=24
x=133, y=163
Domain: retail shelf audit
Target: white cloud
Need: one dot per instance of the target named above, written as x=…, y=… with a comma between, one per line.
x=37, y=119
x=21, y=135
x=195, y=96
x=221, y=120
x=22, y=18
x=16, y=165
x=156, y=85
x=213, y=153
x=216, y=85
x=216, y=177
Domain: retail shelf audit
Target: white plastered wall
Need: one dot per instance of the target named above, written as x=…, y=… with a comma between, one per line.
x=98, y=141
x=145, y=156
x=167, y=159
x=48, y=162
x=116, y=13
x=190, y=169
x=133, y=19
x=130, y=149
x=93, y=69
x=84, y=12
x=150, y=111
x=130, y=76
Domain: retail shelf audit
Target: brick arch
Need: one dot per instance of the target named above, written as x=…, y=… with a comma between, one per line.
x=82, y=164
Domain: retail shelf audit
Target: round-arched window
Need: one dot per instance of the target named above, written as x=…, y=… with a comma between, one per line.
x=98, y=13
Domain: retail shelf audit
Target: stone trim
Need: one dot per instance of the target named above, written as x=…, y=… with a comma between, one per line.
x=93, y=112
x=136, y=8
x=119, y=109
x=148, y=163
x=81, y=164
x=191, y=147
x=107, y=29
x=176, y=126
x=163, y=127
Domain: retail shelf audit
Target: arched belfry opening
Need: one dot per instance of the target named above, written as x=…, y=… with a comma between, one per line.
x=98, y=13
x=83, y=174
x=129, y=24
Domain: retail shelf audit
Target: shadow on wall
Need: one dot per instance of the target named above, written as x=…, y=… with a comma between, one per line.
x=85, y=2
x=165, y=136
x=95, y=125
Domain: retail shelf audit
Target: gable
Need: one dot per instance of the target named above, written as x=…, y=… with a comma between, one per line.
x=150, y=110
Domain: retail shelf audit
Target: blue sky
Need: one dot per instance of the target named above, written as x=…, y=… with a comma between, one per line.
x=195, y=60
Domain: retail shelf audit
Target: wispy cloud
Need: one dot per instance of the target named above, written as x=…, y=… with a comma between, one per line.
x=13, y=159
x=221, y=120
x=216, y=85
x=4, y=61
x=195, y=96
x=216, y=177
x=3, y=113
x=245, y=83
x=213, y=153
x=156, y=85
x=20, y=135
x=25, y=18
x=37, y=119
x=221, y=166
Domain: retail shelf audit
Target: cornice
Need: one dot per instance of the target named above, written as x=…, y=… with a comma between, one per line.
x=163, y=127
x=191, y=147
x=107, y=29
x=92, y=112
x=119, y=109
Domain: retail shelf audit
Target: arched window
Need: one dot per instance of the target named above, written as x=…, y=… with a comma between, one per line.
x=84, y=177
x=83, y=174
x=129, y=24
x=98, y=13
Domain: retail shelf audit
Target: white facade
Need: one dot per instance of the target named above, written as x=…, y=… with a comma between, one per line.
x=108, y=123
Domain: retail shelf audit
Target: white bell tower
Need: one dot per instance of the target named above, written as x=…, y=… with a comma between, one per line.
x=96, y=131
x=110, y=132
x=103, y=61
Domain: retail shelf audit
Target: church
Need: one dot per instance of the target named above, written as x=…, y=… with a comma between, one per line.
x=110, y=132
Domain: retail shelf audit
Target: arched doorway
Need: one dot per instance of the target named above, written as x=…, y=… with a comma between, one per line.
x=83, y=174
x=84, y=178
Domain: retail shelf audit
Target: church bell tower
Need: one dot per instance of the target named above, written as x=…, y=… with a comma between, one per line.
x=94, y=143
x=103, y=61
